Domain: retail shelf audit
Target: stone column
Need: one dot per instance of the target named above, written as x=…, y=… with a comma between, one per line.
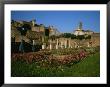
x=33, y=42
x=61, y=44
x=42, y=39
x=33, y=45
x=69, y=43
x=65, y=44
x=57, y=41
x=88, y=45
x=44, y=46
x=57, y=44
x=50, y=46
x=75, y=44
x=21, y=48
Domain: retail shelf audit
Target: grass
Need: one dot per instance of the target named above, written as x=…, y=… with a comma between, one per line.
x=89, y=67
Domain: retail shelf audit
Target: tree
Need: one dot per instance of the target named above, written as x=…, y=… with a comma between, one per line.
x=46, y=32
x=73, y=36
x=23, y=29
x=88, y=37
x=66, y=35
x=26, y=26
x=80, y=37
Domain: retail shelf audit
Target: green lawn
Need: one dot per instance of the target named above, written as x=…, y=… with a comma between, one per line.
x=89, y=67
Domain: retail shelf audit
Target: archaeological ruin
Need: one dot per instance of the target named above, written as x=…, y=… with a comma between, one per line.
x=49, y=37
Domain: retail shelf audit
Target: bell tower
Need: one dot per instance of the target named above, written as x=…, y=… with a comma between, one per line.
x=80, y=26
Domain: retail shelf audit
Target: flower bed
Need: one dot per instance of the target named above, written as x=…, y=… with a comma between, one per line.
x=54, y=57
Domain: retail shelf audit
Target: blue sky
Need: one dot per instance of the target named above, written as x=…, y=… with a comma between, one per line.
x=64, y=21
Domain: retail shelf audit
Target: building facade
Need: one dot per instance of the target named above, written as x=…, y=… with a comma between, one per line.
x=80, y=31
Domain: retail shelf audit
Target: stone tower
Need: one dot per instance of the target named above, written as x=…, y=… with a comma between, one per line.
x=80, y=26
x=33, y=22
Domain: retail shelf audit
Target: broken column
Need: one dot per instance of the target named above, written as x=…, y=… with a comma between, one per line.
x=33, y=42
x=33, y=46
x=43, y=46
x=65, y=44
x=88, y=44
x=69, y=43
x=61, y=44
x=75, y=45
x=50, y=46
x=57, y=44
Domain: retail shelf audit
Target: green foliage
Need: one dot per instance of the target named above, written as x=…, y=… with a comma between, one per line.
x=88, y=37
x=26, y=26
x=89, y=67
x=72, y=36
x=46, y=32
x=66, y=35
x=80, y=37
x=75, y=62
